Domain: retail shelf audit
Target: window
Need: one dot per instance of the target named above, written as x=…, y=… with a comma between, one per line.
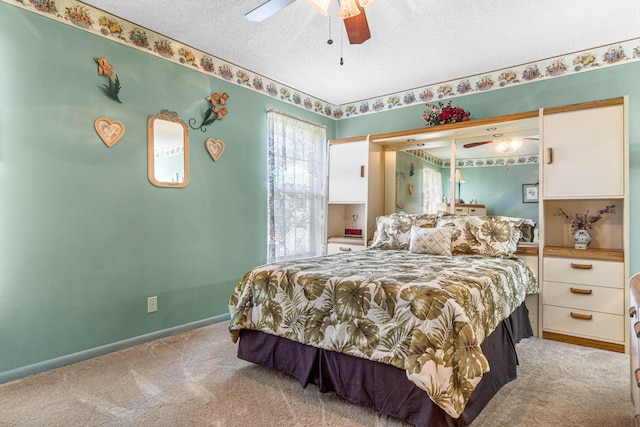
x=296, y=205
x=432, y=189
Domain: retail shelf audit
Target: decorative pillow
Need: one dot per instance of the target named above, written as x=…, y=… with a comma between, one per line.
x=486, y=236
x=394, y=231
x=433, y=241
x=525, y=225
x=527, y=228
x=527, y=232
x=425, y=220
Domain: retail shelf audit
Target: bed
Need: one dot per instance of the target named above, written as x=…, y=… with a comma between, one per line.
x=422, y=326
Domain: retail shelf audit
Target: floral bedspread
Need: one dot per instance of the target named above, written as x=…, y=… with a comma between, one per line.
x=422, y=313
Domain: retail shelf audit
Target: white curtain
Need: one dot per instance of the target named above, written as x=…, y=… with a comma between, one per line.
x=431, y=189
x=296, y=205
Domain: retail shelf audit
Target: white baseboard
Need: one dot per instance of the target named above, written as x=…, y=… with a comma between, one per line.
x=69, y=359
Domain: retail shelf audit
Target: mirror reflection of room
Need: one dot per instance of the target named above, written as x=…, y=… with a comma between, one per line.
x=168, y=150
x=494, y=183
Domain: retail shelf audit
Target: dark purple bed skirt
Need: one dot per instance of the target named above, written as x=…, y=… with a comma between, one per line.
x=382, y=387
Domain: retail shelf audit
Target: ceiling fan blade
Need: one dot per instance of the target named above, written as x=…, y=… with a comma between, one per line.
x=476, y=144
x=267, y=9
x=357, y=27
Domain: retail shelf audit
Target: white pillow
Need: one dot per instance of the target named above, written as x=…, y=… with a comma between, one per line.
x=433, y=241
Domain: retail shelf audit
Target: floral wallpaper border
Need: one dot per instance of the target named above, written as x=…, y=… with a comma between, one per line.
x=514, y=160
x=94, y=20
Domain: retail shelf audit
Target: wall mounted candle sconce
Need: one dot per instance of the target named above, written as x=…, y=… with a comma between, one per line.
x=216, y=111
x=105, y=69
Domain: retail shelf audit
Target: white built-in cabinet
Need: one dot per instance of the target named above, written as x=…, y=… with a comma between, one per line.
x=584, y=166
x=348, y=172
x=584, y=291
x=584, y=152
x=354, y=192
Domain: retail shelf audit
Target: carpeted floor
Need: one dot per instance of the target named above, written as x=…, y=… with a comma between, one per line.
x=195, y=379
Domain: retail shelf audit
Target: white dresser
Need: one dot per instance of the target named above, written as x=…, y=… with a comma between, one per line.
x=634, y=321
x=463, y=209
x=584, y=298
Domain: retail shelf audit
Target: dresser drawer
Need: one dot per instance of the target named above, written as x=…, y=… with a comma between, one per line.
x=584, y=271
x=478, y=211
x=601, y=326
x=335, y=248
x=584, y=297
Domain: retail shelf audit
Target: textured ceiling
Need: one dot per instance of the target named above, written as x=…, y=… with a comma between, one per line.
x=413, y=42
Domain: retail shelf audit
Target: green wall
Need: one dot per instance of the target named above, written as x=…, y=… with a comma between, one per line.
x=84, y=237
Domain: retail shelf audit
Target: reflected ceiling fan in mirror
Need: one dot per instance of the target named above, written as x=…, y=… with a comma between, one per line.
x=507, y=145
x=351, y=12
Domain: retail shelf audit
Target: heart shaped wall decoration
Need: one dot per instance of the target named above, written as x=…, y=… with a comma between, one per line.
x=215, y=147
x=109, y=131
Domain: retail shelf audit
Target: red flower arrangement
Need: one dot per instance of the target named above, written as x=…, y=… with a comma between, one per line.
x=442, y=114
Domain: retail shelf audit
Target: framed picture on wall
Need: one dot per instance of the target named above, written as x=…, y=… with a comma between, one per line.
x=529, y=193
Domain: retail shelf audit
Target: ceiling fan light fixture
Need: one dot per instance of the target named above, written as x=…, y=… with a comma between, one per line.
x=321, y=6
x=348, y=9
x=509, y=145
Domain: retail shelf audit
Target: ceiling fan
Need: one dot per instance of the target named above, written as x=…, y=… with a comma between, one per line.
x=351, y=11
x=506, y=145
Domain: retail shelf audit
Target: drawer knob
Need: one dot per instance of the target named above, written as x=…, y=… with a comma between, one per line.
x=581, y=291
x=637, y=372
x=633, y=311
x=345, y=249
x=581, y=266
x=582, y=316
x=636, y=329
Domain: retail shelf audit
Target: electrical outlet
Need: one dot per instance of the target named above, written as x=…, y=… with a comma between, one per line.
x=152, y=304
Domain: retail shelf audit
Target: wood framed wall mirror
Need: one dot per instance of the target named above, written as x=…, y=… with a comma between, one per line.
x=167, y=150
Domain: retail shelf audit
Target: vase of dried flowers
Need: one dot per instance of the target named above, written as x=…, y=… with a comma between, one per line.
x=581, y=239
x=581, y=224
